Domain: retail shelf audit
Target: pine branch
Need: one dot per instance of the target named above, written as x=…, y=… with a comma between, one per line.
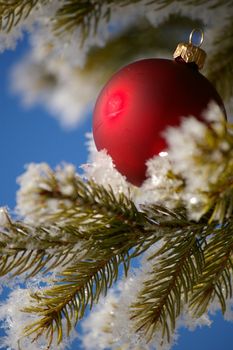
x=83, y=204
x=114, y=231
x=75, y=14
x=220, y=65
x=176, y=269
x=25, y=248
x=14, y=11
x=85, y=14
x=215, y=281
x=82, y=282
x=40, y=248
x=79, y=285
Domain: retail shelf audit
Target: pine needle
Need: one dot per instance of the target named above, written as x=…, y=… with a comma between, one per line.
x=215, y=281
x=177, y=266
x=14, y=11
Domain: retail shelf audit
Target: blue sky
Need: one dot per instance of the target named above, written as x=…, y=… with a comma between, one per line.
x=34, y=136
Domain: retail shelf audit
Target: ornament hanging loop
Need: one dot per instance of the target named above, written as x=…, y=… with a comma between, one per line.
x=191, y=53
x=196, y=30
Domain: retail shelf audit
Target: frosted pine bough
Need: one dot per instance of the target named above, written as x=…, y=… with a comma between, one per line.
x=75, y=225
x=57, y=222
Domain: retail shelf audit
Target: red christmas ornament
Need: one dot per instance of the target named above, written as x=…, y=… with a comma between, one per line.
x=142, y=99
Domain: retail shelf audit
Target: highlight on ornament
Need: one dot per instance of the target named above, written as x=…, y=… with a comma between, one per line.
x=143, y=99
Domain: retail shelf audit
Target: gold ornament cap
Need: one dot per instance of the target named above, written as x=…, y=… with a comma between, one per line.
x=191, y=53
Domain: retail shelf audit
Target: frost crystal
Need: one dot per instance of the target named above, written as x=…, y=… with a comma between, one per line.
x=4, y=218
x=44, y=192
x=103, y=172
x=98, y=326
x=13, y=320
x=198, y=162
x=161, y=186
